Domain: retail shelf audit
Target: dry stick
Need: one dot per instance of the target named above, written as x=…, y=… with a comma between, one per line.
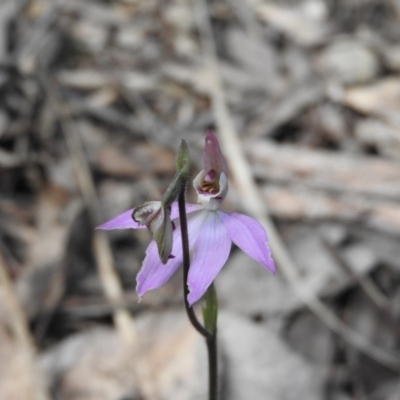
x=20, y=329
x=102, y=250
x=27, y=50
x=254, y=204
x=101, y=246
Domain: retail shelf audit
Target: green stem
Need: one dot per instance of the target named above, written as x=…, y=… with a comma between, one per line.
x=210, y=316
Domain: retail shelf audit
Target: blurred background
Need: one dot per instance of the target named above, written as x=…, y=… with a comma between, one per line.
x=95, y=97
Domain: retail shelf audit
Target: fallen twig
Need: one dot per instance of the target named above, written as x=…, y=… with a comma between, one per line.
x=21, y=333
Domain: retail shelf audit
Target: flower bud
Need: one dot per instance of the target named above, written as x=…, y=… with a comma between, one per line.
x=183, y=159
x=156, y=217
x=178, y=183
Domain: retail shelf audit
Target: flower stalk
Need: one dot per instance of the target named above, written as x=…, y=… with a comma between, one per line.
x=209, y=331
x=210, y=309
x=210, y=313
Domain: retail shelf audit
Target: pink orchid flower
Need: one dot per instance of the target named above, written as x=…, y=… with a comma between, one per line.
x=211, y=232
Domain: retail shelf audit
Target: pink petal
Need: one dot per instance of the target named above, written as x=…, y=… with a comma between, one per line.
x=125, y=220
x=153, y=273
x=122, y=221
x=210, y=252
x=250, y=237
x=212, y=156
x=189, y=209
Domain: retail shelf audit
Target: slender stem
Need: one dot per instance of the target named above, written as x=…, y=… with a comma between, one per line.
x=210, y=337
x=186, y=264
x=212, y=366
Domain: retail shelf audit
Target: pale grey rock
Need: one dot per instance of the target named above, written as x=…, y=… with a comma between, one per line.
x=255, y=363
x=349, y=61
x=244, y=286
x=308, y=336
x=262, y=367
x=373, y=132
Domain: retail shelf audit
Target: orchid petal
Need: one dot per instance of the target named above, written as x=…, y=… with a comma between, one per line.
x=147, y=212
x=250, y=237
x=212, y=156
x=208, y=200
x=189, y=209
x=153, y=273
x=211, y=183
x=121, y=221
x=210, y=252
x=125, y=220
